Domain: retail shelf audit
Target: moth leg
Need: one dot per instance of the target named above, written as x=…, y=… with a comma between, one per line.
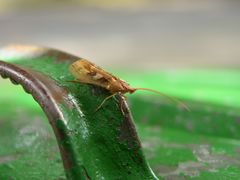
x=107, y=98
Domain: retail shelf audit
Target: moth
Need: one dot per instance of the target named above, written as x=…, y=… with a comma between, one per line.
x=86, y=72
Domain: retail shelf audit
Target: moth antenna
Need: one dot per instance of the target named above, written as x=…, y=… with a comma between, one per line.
x=167, y=96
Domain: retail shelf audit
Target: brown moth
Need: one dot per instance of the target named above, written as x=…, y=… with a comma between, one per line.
x=86, y=72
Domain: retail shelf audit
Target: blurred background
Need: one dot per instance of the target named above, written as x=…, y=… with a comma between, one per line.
x=139, y=34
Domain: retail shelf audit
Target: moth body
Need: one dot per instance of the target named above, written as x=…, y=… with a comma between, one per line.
x=86, y=72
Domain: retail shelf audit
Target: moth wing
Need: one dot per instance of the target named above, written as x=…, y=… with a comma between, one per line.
x=86, y=72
